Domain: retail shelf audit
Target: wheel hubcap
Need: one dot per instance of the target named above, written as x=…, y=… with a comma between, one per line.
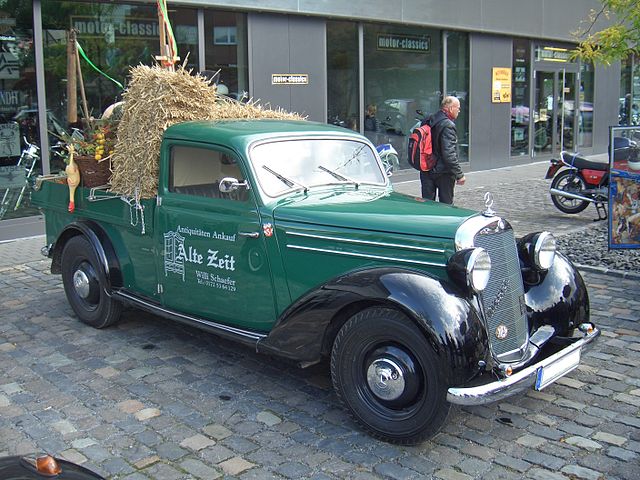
x=393, y=376
x=81, y=284
x=386, y=379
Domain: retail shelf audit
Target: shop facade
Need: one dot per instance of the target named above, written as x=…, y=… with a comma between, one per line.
x=374, y=67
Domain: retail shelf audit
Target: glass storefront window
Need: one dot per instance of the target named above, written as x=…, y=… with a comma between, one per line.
x=18, y=109
x=585, y=115
x=520, y=101
x=629, y=107
x=226, y=51
x=403, y=74
x=114, y=37
x=342, y=74
x=458, y=85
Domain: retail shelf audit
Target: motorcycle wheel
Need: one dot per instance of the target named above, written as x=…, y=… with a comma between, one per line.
x=568, y=181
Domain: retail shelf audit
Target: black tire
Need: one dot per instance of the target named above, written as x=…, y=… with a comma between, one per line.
x=568, y=181
x=403, y=409
x=83, y=287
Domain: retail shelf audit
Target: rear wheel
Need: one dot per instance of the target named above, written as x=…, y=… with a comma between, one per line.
x=569, y=182
x=82, y=284
x=389, y=376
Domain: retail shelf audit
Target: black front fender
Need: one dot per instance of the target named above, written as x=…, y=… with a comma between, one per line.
x=557, y=297
x=305, y=331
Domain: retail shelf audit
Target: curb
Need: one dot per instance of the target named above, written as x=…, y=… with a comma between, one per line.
x=608, y=271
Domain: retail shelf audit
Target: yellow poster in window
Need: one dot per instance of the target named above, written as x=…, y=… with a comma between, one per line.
x=501, y=85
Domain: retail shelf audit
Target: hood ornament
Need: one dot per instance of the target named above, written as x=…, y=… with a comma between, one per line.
x=488, y=203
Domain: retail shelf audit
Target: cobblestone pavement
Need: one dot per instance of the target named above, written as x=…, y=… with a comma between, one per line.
x=149, y=398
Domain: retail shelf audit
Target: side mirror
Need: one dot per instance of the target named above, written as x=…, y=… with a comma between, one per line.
x=230, y=184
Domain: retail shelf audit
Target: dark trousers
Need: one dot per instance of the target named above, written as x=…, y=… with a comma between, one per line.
x=440, y=183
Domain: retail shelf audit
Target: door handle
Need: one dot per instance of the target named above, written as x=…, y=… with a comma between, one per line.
x=249, y=234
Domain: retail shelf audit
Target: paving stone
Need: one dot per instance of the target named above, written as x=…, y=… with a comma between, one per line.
x=500, y=473
x=621, y=454
x=293, y=470
x=83, y=443
x=544, y=460
x=541, y=474
x=147, y=413
x=235, y=465
x=584, y=443
x=513, y=463
x=218, y=432
x=473, y=467
x=610, y=438
x=199, y=469
x=575, y=429
x=131, y=406
x=74, y=456
x=450, y=474
x=268, y=418
x=145, y=462
x=531, y=441
x=197, y=442
x=575, y=471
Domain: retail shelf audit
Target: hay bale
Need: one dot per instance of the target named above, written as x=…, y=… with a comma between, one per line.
x=156, y=99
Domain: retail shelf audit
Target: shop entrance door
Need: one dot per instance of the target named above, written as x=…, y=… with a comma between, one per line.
x=554, y=111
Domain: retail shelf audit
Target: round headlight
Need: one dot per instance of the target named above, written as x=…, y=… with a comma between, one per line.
x=544, y=251
x=478, y=269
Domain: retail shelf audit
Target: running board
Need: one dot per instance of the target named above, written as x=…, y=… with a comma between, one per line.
x=243, y=336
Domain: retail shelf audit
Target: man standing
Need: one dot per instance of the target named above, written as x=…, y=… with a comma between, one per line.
x=446, y=172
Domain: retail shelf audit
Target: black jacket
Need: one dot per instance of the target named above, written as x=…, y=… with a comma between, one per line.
x=445, y=144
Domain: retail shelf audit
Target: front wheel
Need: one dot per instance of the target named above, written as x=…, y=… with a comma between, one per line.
x=388, y=375
x=569, y=182
x=82, y=284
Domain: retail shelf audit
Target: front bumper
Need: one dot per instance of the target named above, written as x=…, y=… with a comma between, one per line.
x=538, y=375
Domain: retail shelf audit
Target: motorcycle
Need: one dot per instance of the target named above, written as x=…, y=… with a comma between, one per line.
x=578, y=181
x=389, y=157
x=388, y=154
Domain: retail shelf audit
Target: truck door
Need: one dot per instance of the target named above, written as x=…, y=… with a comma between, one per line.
x=213, y=260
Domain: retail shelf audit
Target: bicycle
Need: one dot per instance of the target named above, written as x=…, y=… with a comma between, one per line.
x=12, y=199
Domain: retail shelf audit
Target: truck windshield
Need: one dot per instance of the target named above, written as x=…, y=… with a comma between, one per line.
x=315, y=162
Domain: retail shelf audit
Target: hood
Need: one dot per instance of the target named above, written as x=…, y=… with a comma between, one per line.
x=373, y=209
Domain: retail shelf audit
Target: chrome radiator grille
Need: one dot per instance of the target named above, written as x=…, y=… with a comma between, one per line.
x=503, y=299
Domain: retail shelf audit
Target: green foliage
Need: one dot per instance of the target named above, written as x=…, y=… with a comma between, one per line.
x=616, y=42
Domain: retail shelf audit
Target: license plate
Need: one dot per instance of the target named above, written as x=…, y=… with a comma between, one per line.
x=550, y=373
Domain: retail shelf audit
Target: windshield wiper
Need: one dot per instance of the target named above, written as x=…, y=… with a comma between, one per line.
x=287, y=181
x=339, y=176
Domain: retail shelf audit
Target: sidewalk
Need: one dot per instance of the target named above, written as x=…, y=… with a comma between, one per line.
x=520, y=194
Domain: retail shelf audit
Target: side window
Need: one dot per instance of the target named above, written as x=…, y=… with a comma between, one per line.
x=197, y=172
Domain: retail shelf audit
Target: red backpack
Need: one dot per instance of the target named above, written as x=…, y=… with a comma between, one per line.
x=421, y=156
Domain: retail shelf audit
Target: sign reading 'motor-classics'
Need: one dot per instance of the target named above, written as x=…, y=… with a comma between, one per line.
x=404, y=43
x=290, y=79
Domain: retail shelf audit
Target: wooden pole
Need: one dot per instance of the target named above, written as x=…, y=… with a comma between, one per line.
x=85, y=108
x=163, y=39
x=72, y=85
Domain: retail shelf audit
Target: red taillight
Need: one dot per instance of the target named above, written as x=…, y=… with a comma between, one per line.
x=553, y=169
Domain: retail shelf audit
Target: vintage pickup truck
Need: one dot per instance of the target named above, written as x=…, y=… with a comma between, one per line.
x=287, y=236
